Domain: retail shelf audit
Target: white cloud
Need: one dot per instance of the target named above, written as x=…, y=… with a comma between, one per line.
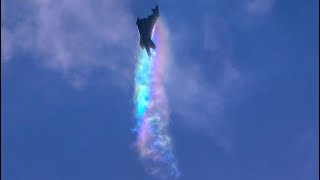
x=201, y=103
x=201, y=100
x=6, y=45
x=71, y=36
x=259, y=7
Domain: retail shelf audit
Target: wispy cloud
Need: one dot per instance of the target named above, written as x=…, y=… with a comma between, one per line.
x=71, y=36
x=6, y=45
x=198, y=99
x=201, y=103
x=259, y=7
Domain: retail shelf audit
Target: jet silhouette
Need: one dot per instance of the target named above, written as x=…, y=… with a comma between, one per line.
x=145, y=27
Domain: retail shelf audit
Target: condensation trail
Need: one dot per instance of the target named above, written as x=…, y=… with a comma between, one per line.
x=153, y=142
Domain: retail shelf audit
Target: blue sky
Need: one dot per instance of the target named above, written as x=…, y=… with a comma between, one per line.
x=242, y=86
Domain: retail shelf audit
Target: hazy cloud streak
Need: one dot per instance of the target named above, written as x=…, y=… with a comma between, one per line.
x=73, y=37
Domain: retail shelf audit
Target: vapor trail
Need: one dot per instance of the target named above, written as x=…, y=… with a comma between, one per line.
x=153, y=142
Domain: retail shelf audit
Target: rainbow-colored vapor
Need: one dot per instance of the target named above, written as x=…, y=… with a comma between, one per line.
x=152, y=113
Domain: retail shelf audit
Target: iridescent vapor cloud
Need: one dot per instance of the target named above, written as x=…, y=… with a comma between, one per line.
x=153, y=142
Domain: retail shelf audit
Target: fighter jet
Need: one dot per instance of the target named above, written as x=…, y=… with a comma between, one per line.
x=145, y=27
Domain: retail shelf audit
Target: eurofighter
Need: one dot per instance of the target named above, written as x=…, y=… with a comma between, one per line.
x=145, y=27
